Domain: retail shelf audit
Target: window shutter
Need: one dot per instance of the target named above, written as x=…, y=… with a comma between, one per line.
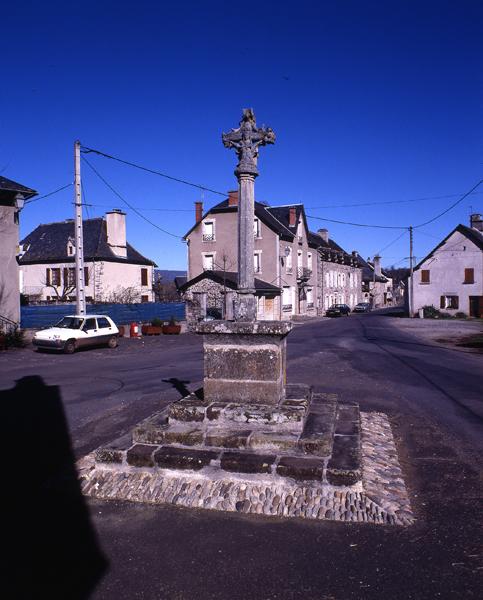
x=66, y=276
x=144, y=277
x=47, y=276
x=442, y=304
x=469, y=276
x=456, y=303
x=86, y=275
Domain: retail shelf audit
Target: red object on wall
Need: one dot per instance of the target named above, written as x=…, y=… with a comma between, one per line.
x=134, y=330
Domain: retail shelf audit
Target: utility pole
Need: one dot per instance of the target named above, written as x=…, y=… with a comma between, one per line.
x=411, y=287
x=79, y=238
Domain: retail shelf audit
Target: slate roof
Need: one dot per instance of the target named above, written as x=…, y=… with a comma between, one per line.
x=368, y=271
x=48, y=244
x=9, y=189
x=230, y=279
x=472, y=234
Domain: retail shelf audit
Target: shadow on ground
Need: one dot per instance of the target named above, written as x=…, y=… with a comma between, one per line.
x=51, y=545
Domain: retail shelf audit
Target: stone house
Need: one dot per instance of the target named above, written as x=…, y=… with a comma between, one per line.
x=12, y=198
x=377, y=285
x=282, y=258
x=339, y=275
x=211, y=294
x=304, y=266
x=450, y=277
x=114, y=270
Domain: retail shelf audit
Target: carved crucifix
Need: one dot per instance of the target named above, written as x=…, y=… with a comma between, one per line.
x=246, y=141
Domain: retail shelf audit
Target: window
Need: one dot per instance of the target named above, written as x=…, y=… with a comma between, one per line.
x=287, y=297
x=86, y=275
x=144, y=276
x=469, y=276
x=425, y=276
x=208, y=231
x=327, y=280
x=300, y=259
x=70, y=279
x=310, y=298
x=289, y=260
x=103, y=323
x=309, y=261
x=55, y=277
x=257, y=262
x=450, y=302
x=89, y=325
x=144, y=298
x=208, y=261
x=257, y=231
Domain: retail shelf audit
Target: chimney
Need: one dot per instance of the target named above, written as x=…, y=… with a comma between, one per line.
x=116, y=231
x=292, y=216
x=198, y=211
x=233, y=198
x=377, y=265
x=354, y=253
x=324, y=234
x=476, y=222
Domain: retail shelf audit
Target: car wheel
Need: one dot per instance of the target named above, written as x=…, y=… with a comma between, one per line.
x=69, y=347
x=112, y=342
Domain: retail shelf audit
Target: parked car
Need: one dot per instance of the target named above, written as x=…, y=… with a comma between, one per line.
x=337, y=310
x=362, y=307
x=78, y=331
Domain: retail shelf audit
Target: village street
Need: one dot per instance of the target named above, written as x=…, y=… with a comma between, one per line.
x=433, y=396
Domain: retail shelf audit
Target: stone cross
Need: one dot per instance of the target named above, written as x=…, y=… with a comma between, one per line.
x=246, y=140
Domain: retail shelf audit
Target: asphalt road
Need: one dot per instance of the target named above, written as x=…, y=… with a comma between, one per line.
x=434, y=398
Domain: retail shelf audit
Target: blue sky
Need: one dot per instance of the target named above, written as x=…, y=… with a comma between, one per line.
x=370, y=102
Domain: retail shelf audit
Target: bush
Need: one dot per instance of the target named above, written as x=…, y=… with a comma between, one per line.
x=157, y=322
x=460, y=315
x=15, y=339
x=430, y=312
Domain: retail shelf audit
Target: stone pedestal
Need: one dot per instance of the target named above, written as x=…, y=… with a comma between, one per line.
x=245, y=362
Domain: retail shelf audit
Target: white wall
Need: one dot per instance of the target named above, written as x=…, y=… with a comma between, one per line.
x=447, y=272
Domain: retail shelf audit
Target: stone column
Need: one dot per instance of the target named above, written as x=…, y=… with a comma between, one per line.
x=245, y=305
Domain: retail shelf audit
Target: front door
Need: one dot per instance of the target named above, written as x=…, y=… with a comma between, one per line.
x=269, y=316
x=476, y=306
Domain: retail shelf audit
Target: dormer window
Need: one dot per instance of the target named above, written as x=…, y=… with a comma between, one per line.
x=70, y=247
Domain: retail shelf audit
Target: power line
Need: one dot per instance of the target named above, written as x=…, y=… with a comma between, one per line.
x=386, y=202
x=145, y=208
x=49, y=194
x=356, y=224
x=86, y=150
x=126, y=202
x=450, y=207
x=391, y=243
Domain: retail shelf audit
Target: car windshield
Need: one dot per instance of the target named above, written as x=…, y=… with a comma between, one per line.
x=70, y=323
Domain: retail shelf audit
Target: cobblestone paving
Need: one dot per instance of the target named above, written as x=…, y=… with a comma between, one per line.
x=381, y=497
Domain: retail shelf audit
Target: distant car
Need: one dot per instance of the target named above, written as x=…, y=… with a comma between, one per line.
x=337, y=310
x=362, y=307
x=78, y=331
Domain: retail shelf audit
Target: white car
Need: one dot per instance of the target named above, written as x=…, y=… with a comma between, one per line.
x=76, y=331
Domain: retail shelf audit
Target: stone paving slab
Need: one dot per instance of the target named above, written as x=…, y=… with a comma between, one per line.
x=380, y=497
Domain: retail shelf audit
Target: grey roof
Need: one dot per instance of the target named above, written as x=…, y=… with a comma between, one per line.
x=9, y=189
x=368, y=271
x=48, y=244
x=472, y=234
x=230, y=279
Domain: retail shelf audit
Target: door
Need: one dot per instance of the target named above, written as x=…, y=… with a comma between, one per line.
x=269, y=305
x=476, y=306
x=89, y=330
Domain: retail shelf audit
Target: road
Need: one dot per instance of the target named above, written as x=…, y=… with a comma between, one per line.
x=434, y=399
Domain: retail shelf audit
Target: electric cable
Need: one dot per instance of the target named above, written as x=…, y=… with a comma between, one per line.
x=49, y=194
x=127, y=203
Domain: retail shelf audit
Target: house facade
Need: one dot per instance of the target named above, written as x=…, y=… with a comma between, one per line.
x=12, y=198
x=377, y=285
x=450, y=277
x=114, y=271
x=287, y=257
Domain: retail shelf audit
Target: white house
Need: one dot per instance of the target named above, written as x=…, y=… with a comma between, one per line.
x=450, y=278
x=114, y=270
